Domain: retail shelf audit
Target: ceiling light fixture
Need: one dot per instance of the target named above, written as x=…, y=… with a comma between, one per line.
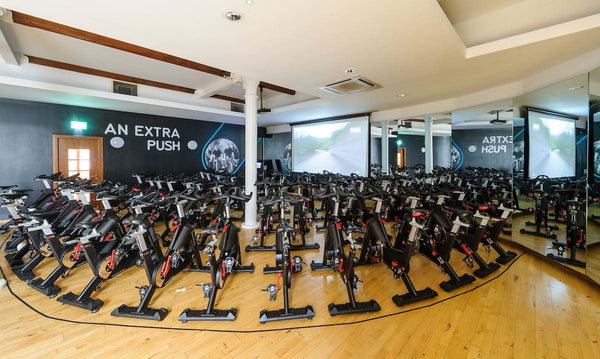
x=250, y=2
x=401, y=95
x=349, y=71
x=576, y=88
x=233, y=15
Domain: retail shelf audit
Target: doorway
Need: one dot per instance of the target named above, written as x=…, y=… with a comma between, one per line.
x=78, y=154
x=401, y=157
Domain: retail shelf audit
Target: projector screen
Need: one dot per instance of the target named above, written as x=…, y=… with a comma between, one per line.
x=551, y=145
x=339, y=146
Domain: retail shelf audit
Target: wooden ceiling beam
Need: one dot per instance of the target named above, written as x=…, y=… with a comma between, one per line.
x=277, y=88
x=111, y=75
x=228, y=98
x=39, y=23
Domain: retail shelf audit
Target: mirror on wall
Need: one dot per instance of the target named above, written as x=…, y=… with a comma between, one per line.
x=593, y=225
x=482, y=161
x=549, y=171
x=410, y=141
x=376, y=138
x=406, y=142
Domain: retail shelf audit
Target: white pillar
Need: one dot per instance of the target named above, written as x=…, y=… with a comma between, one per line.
x=250, y=87
x=385, y=161
x=428, y=145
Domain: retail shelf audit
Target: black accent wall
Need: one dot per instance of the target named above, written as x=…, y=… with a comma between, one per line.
x=415, y=144
x=278, y=146
x=489, y=147
x=376, y=151
x=27, y=129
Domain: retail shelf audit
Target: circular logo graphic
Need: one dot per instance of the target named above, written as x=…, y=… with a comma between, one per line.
x=192, y=145
x=222, y=155
x=287, y=156
x=455, y=157
x=117, y=142
x=472, y=148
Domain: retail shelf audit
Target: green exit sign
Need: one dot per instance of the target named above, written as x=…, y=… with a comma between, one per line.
x=79, y=125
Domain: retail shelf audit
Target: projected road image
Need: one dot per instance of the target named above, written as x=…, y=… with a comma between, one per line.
x=339, y=147
x=552, y=147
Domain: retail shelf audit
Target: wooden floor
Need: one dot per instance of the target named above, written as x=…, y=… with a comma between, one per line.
x=540, y=244
x=534, y=309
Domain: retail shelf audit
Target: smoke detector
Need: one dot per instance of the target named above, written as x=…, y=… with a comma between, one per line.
x=350, y=86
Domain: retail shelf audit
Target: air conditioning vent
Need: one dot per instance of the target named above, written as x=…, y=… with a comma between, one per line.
x=349, y=86
x=237, y=107
x=124, y=88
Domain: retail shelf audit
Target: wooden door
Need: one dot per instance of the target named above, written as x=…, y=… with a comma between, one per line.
x=401, y=157
x=78, y=154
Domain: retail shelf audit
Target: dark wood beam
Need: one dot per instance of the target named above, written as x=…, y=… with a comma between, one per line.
x=32, y=21
x=107, y=74
x=277, y=88
x=228, y=98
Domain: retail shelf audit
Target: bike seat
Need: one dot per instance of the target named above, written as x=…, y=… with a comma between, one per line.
x=459, y=211
x=12, y=196
x=354, y=229
x=43, y=215
x=137, y=220
x=88, y=225
x=417, y=212
x=210, y=230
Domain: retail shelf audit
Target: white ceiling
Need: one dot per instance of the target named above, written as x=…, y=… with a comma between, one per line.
x=481, y=21
x=595, y=83
x=480, y=116
x=407, y=46
x=570, y=97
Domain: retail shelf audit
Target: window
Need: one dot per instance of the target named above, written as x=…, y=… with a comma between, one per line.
x=79, y=162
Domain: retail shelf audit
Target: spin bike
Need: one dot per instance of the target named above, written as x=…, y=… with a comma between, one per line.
x=334, y=257
x=284, y=267
x=397, y=259
x=575, y=237
x=229, y=261
x=160, y=268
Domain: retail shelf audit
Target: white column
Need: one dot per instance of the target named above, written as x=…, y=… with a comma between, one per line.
x=428, y=145
x=250, y=86
x=385, y=161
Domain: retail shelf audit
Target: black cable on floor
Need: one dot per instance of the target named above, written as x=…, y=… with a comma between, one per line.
x=254, y=330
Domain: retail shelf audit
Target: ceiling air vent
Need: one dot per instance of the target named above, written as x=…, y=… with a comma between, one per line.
x=349, y=86
x=124, y=88
x=237, y=107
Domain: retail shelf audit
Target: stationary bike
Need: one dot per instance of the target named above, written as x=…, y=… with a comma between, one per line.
x=284, y=267
x=334, y=257
x=540, y=212
x=229, y=261
x=160, y=268
x=107, y=257
x=575, y=237
x=397, y=258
